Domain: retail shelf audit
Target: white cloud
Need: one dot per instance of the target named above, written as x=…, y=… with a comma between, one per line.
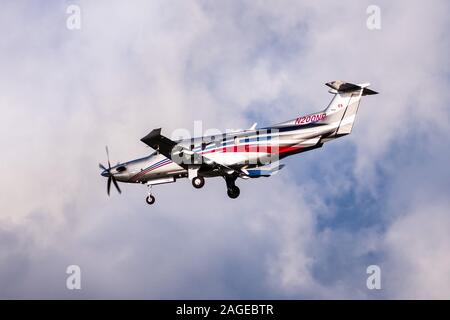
x=418, y=245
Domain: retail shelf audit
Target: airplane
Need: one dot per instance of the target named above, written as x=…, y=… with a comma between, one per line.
x=252, y=153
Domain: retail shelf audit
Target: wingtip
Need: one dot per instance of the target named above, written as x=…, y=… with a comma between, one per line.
x=151, y=134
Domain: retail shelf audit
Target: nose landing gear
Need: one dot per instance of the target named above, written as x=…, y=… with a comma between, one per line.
x=150, y=198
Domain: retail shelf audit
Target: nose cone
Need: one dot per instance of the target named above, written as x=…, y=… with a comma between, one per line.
x=105, y=173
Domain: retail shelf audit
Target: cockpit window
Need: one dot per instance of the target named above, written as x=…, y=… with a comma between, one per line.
x=121, y=169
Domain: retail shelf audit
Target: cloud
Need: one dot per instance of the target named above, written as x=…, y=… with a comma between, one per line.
x=418, y=244
x=375, y=197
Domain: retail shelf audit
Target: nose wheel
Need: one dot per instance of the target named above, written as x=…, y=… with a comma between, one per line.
x=150, y=198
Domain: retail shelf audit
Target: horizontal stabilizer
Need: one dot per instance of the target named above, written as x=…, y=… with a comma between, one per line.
x=344, y=87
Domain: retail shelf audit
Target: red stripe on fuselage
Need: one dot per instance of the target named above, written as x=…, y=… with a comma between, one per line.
x=144, y=172
x=254, y=148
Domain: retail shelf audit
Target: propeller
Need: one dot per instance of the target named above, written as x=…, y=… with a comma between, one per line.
x=109, y=175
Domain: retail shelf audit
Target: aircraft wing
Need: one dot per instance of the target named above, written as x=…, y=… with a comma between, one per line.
x=159, y=142
x=170, y=149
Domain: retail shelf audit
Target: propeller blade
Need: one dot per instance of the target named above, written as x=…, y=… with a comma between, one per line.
x=109, y=175
x=107, y=155
x=115, y=183
x=108, y=187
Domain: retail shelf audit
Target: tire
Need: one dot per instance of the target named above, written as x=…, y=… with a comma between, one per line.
x=198, y=182
x=233, y=192
x=150, y=199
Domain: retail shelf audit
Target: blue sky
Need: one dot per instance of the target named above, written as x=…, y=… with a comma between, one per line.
x=378, y=196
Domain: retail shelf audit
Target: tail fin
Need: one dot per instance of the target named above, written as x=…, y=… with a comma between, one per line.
x=344, y=105
x=341, y=111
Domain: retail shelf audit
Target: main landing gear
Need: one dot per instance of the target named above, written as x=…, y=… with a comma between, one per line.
x=233, y=191
x=198, y=182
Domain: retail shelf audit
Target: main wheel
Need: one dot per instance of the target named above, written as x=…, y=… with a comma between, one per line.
x=150, y=199
x=233, y=192
x=198, y=182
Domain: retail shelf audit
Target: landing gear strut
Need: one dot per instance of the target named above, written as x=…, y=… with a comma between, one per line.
x=150, y=198
x=198, y=182
x=232, y=190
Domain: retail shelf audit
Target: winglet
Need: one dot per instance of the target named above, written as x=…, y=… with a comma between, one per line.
x=153, y=134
